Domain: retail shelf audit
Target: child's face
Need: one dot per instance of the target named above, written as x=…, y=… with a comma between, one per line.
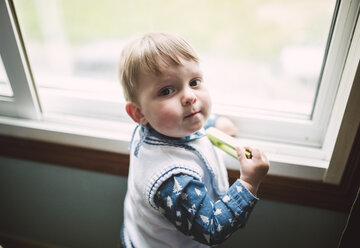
x=175, y=103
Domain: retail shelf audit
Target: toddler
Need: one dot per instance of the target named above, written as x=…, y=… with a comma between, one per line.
x=178, y=193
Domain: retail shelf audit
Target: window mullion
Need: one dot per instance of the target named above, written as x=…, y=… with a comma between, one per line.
x=338, y=52
x=342, y=131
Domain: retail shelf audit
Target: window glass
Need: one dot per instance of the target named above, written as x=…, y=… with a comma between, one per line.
x=256, y=54
x=5, y=88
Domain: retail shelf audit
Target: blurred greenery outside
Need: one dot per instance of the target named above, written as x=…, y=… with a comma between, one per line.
x=256, y=31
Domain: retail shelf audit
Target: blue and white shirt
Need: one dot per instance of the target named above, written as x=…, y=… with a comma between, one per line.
x=178, y=193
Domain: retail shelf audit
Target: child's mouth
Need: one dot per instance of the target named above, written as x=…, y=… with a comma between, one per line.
x=192, y=115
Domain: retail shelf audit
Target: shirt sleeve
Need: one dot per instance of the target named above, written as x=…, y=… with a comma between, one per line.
x=185, y=202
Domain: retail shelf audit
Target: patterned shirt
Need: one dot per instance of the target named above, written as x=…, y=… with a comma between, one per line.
x=184, y=201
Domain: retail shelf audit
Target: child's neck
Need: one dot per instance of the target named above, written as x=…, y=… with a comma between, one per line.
x=158, y=134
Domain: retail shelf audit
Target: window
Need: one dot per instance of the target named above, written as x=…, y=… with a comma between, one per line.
x=269, y=51
x=21, y=101
x=273, y=67
x=5, y=87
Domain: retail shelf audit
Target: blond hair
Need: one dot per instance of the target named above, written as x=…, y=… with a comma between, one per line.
x=151, y=53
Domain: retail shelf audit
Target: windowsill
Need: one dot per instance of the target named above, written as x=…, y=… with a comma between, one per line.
x=103, y=147
x=115, y=137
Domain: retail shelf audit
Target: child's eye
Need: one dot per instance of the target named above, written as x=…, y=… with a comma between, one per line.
x=166, y=91
x=195, y=82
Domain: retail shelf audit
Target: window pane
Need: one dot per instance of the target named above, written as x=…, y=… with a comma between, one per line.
x=5, y=88
x=255, y=54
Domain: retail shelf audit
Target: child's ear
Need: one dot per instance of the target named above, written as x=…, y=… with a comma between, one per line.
x=134, y=112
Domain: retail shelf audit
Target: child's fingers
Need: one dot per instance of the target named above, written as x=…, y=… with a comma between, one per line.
x=255, y=152
x=241, y=153
x=251, y=149
x=259, y=157
x=249, y=152
x=258, y=154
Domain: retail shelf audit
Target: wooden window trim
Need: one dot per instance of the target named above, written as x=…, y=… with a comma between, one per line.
x=285, y=189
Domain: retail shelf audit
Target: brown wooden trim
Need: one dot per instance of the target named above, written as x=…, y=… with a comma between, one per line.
x=285, y=189
x=65, y=155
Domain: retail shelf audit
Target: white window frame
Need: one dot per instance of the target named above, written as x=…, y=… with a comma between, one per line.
x=308, y=156
x=24, y=102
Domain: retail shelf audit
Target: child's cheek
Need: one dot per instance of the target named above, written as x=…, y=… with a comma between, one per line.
x=206, y=103
x=166, y=117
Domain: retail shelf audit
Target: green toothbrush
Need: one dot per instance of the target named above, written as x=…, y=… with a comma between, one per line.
x=225, y=142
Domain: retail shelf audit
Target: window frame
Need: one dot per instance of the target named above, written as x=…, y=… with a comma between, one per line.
x=113, y=136
x=24, y=103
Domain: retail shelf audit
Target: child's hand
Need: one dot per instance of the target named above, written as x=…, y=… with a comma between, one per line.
x=252, y=171
x=226, y=125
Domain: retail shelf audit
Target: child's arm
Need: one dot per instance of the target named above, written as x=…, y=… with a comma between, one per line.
x=185, y=202
x=226, y=125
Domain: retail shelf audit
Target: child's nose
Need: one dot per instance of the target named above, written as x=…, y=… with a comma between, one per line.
x=188, y=98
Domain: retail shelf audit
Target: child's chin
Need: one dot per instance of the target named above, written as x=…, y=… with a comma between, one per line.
x=193, y=130
x=185, y=131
